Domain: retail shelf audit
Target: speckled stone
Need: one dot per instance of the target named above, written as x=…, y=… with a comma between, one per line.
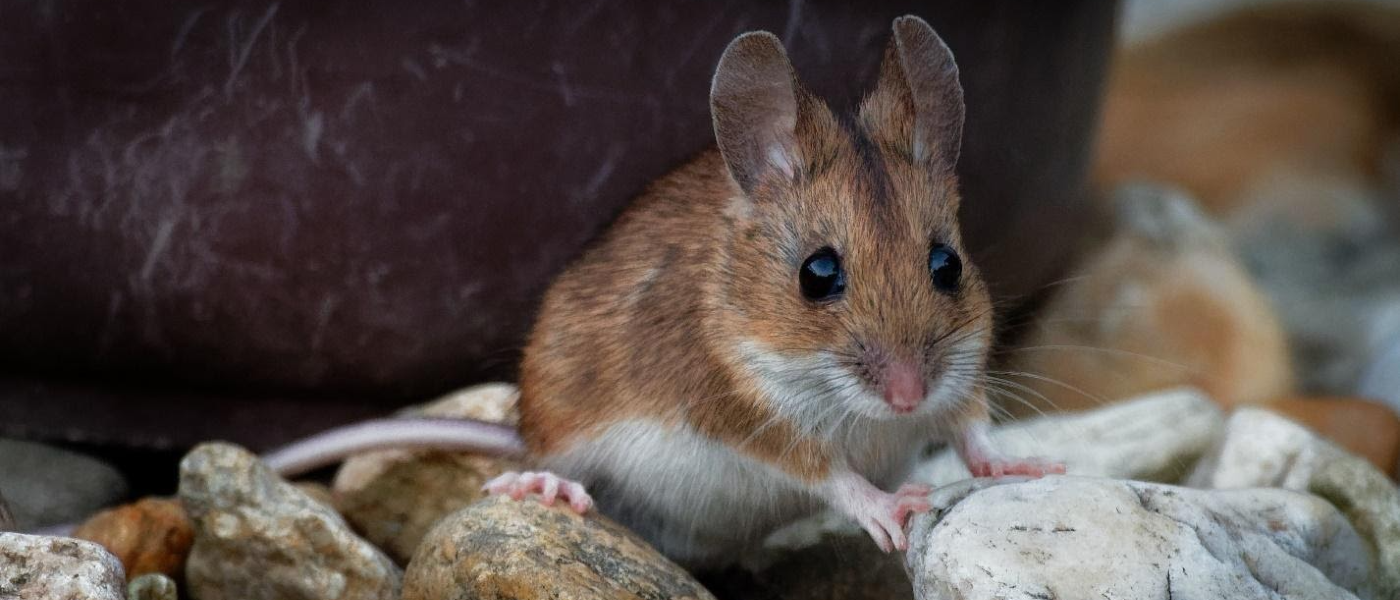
x=1073, y=537
x=394, y=497
x=499, y=549
x=1260, y=449
x=152, y=535
x=259, y=538
x=152, y=586
x=52, y=568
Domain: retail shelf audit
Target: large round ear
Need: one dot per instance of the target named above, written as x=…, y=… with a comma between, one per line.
x=919, y=70
x=753, y=101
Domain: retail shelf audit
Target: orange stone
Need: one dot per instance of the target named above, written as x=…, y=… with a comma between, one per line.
x=1366, y=428
x=152, y=535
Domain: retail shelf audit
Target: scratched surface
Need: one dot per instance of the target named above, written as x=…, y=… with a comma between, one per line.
x=356, y=204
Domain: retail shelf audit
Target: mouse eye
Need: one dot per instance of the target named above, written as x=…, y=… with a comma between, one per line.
x=944, y=267
x=821, y=275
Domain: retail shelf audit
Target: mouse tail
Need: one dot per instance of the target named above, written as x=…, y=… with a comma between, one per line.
x=452, y=435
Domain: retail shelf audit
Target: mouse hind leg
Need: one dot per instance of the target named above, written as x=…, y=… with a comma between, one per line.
x=547, y=486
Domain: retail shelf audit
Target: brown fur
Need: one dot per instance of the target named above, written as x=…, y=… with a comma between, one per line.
x=1219, y=106
x=646, y=323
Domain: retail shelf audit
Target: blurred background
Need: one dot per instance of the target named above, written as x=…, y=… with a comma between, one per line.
x=254, y=220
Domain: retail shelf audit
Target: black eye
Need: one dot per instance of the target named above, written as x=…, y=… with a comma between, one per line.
x=821, y=275
x=945, y=267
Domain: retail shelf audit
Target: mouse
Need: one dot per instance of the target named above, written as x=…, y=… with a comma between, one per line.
x=776, y=327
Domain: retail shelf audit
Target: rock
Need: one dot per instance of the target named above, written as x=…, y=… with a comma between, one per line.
x=501, y=549
x=47, y=486
x=318, y=492
x=258, y=537
x=1072, y=537
x=1156, y=438
x=1164, y=303
x=152, y=586
x=53, y=568
x=396, y=509
x=1260, y=448
x=394, y=497
x=152, y=535
x=1367, y=429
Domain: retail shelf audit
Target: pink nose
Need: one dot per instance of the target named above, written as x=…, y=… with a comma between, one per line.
x=904, y=386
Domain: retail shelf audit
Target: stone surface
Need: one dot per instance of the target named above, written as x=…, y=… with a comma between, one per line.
x=152, y=535
x=1071, y=537
x=51, y=568
x=1367, y=429
x=501, y=549
x=152, y=586
x=258, y=537
x=48, y=486
x=1157, y=438
x=1260, y=448
x=394, y=497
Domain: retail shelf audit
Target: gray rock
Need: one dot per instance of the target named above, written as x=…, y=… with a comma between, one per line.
x=36, y=567
x=152, y=586
x=258, y=537
x=1072, y=537
x=1260, y=448
x=1155, y=438
x=47, y=486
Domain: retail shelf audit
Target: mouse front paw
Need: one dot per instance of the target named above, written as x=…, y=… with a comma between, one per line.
x=883, y=515
x=547, y=486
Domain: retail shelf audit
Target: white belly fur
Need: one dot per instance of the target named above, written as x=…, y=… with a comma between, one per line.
x=698, y=501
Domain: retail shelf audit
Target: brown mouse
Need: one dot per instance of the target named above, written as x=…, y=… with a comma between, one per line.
x=777, y=326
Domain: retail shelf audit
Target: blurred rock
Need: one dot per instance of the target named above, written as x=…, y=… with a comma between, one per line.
x=39, y=567
x=502, y=549
x=1157, y=437
x=47, y=486
x=152, y=535
x=1261, y=449
x=258, y=537
x=1367, y=429
x=1071, y=537
x=1163, y=303
x=152, y=586
x=394, y=497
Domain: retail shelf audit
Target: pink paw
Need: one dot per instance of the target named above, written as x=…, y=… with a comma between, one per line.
x=884, y=515
x=547, y=485
x=998, y=467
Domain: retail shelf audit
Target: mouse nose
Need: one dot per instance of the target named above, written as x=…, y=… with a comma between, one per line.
x=903, y=386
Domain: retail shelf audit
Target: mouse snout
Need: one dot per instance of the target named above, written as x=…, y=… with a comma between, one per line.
x=902, y=385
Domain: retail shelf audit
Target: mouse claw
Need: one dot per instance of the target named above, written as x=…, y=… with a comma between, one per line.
x=547, y=487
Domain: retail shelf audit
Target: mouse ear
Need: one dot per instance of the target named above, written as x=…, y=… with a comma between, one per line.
x=753, y=101
x=920, y=74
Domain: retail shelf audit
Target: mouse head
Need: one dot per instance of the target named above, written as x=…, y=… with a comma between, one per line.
x=849, y=287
